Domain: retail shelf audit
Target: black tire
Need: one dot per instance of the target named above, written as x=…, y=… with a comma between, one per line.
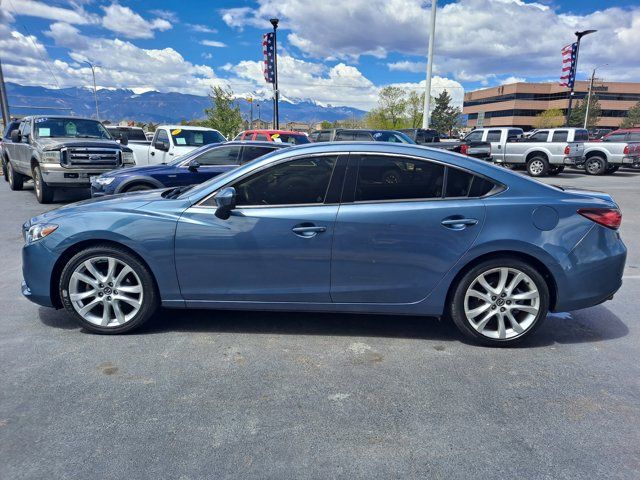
x=138, y=187
x=538, y=166
x=44, y=193
x=595, y=165
x=16, y=180
x=612, y=169
x=4, y=170
x=556, y=170
x=149, y=299
x=457, y=309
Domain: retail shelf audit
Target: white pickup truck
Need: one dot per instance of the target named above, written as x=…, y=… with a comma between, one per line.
x=171, y=141
x=543, y=153
x=603, y=157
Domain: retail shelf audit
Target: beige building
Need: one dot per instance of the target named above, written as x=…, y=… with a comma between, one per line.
x=517, y=104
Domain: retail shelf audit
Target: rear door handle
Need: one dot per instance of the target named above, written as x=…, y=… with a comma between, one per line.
x=308, y=230
x=459, y=223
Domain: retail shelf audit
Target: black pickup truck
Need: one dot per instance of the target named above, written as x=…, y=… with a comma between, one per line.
x=61, y=152
x=430, y=138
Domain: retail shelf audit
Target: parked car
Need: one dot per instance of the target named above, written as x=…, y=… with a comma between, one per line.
x=194, y=167
x=598, y=133
x=359, y=135
x=170, y=141
x=622, y=135
x=279, y=136
x=300, y=231
x=131, y=134
x=6, y=137
x=615, y=150
x=61, y=152
x=431, y=138
x=544, y=152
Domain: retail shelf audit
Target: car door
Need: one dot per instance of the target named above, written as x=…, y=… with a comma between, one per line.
x=159, y=155
x=494, y=137
x=275, y=246
x=395, y=241
x=23, y=149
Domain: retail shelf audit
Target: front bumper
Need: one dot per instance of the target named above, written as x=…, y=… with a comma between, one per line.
x=37, y=268
x=58, y=176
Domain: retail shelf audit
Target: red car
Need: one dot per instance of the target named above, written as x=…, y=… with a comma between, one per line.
x=281, y=136
x=623, y=135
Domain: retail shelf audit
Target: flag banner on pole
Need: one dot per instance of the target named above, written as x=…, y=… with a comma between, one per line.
x=269, y=57
x=568, y=73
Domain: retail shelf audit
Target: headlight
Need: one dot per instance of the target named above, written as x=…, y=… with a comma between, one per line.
x=39, y=231
x=127, y=157
x=104, y=180
x=50, y=157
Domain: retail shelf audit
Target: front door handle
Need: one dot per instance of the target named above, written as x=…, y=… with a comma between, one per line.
x=459, y=223
x=308, y=230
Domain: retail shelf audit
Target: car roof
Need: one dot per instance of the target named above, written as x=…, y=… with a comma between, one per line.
x=262, y=130
x=70, y=117
x=187, y=127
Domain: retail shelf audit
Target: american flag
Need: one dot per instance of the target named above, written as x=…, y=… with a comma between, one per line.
x=568, y=75
x=269, y=69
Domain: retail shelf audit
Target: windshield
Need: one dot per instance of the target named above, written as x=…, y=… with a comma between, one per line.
x=292, y=138
x=69, y=128
x=393, y=137
x=184, y=137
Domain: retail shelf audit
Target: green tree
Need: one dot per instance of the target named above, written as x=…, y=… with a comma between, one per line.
x=444, y=116
x=326, y=125
x=224, y=114
x=579, y=111
x=633, y=117
x=415, y=107
x=549, y=119
x=390, y=112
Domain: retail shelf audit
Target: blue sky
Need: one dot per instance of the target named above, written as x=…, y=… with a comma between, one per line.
x=334, y=52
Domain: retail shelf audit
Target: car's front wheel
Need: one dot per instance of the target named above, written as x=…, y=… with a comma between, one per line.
x=44, y=193
x=500, y=302
x=108, y=290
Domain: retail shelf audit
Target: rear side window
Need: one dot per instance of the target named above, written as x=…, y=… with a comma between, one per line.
x=395, y=178
x=515, y=133
x=493, y=136
x=261, y=136
x=560, y=136
x=466, y=184
x=324, y=137
x=581, y=136
x=615, y=137
x=634, y=137
x=251, y=153
x=363, y=137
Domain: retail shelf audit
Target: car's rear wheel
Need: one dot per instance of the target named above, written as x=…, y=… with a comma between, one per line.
x=138, y=187
x=538, y=166
x=595, y=165
x=44, y=193
x=108, y=290
x=16, y=180
x=500, y=302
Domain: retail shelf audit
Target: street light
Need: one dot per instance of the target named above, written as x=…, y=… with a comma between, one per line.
x=427, y=87
x=593, y=74
x=95, y=89
x=579, y=35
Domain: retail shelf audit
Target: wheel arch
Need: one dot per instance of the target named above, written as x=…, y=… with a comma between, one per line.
x=525, y=257
x=596, y=153
x=139, y=180
x=73, y=249
x=536, y=153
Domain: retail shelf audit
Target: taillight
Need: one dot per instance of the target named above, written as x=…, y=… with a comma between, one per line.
x=464, y=149
x=567, y=150
x=626, y=150
x=607, y=217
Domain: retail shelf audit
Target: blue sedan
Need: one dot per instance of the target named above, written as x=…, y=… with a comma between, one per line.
x=343, y=227
x=195, y=167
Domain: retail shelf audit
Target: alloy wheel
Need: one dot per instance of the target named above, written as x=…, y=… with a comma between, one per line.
x=502, y=303
x=593, y=167
x=536, y=167
x=105, y=291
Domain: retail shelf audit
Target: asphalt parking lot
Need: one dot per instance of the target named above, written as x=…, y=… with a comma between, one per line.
x=271, y=395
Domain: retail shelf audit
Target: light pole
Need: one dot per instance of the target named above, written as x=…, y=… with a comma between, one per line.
x=579, y=35
x=276, y=113
x=95, y=89
x=427, y=88
x=3, y=100
x=593, y=74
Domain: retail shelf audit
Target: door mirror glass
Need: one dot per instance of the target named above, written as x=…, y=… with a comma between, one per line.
x=194, y=165
x=160, y=145
x=225, y=201
x=15, y=136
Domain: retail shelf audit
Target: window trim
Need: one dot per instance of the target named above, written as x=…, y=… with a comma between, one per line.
x=200, y=203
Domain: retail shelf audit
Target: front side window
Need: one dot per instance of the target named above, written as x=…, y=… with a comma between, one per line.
x=344, y=136
x=560, y=136
x=475, y=136
x=392, y=137
x=296, y=182
x=540, y=136
x=323, y=137
x=397, y=178
x=220, y=156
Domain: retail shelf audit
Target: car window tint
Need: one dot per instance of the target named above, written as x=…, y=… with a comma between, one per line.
x=540, y=136
x=251, y=152
x=363, y=137
x=480, y=186
x=227, y=155
x=560, y=136
x=514, y=132
x=634, y=137
x=395, y=178
x=458, y=183
x=297, y=182
x=493, y=136
x=474, y=136
x=324, y=137
x=261, y=136
x=581, y=136
x=344, y=136
x=615, y=137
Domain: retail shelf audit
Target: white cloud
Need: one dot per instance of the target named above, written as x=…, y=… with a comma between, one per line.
x=201, y=28
x=206, y=55
x=129, y=24
x=407, y=66
x=509, y=80
x=32, y=8
x=213, y=43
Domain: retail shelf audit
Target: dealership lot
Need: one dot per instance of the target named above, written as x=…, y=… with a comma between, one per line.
x=281, y=395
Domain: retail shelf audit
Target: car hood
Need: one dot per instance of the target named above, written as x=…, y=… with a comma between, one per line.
x=140, y=170
x=122, y=202
x=54, y=143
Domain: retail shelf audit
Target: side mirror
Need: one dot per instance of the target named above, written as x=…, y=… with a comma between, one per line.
x=194, y=165
x=226, y=201
x=124, y=139
x=161, y=145
x=15, y=136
